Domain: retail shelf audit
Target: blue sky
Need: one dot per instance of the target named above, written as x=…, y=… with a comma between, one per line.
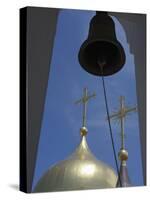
x=62, y=119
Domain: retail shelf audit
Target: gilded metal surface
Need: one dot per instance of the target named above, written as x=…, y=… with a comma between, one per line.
x=83, y=131
x=84, y=100
x=120, y=115
x=80, y=171
x=123, y=155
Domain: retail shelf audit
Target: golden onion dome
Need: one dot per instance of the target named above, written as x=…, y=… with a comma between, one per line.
x=79, y=171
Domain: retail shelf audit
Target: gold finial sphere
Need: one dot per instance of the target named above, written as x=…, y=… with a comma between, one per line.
x=83, y=131
x=123, y=154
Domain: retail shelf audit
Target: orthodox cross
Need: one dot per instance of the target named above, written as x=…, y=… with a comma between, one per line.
x=85, y=98
x=121, y=114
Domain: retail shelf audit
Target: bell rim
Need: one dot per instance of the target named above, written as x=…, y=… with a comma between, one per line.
x=116, y=43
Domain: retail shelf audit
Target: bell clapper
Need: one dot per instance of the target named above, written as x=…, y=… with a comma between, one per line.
x=101, y=64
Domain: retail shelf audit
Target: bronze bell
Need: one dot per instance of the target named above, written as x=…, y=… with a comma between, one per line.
x=102, y=49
